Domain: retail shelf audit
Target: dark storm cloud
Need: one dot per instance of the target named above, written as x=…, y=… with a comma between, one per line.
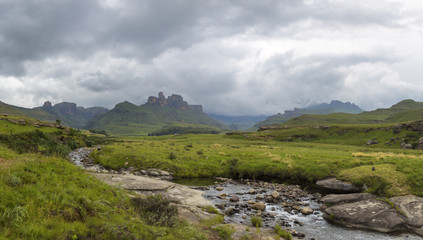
x=35, y=30
x=235, y=56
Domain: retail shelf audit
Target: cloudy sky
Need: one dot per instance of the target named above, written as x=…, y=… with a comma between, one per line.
x=234, y=57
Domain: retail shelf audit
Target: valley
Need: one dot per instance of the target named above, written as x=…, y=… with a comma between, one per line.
x=382, y=158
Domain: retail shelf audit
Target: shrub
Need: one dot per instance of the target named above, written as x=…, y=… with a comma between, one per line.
x=172, y=156
x=225, y=231
x=156, y=210
x=282, y=233
x=210, y=209
x=256, y=221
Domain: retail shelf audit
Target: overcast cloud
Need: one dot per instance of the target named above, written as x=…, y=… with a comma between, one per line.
x=235, y=57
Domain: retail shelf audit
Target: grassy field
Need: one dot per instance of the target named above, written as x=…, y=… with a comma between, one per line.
x=398, y=171
x=46, y=197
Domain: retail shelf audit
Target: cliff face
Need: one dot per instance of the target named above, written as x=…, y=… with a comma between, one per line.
x=174, y=100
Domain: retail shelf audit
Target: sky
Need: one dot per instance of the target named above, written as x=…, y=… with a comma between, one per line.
x=235, y=57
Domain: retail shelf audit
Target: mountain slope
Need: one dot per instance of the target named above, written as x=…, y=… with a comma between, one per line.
x=324, y=108
x=129, y=119
x=406, y=110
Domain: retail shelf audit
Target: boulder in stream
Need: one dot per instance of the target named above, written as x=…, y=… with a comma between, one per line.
x=335, y=185
x=332, y=199
x=259, y=206
x=412, y=207
x=368, y=214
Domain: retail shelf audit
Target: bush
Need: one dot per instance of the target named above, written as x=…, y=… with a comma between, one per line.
x=156, y=210
x=225, y=231
x=172, y=156
x=282, y=233
x=256, y=221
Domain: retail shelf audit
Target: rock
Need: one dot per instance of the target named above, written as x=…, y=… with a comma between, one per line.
x=250, y=202
x=275, y=194
x=143, y=172
x=174, y=192
x=259, y=196
x=154, y=173
x=298, y=208
x=219, y=188
x=406, y=145
x=222, y=196
x=234, y=198
x=131, y=169
x=307, y=211
x=164, y=173
x=252, y=191
x=369, y=214
x=420, y=147
x=371, y=142
x=137, y=173
x=346, y=198
x=335, y=185
x=412, y=207
x=229, y=211
x=259, y=206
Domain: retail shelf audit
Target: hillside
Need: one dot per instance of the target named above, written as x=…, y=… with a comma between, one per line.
x=129, y=119
x=68, y=113
x=406, y=110
x=324, y=108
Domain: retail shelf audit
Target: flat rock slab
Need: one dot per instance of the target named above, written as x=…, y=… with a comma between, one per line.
x=368, y=214
x=175, y=192
x=412, y=206
x=333, y=199
x=335, y=185
x=132, y=182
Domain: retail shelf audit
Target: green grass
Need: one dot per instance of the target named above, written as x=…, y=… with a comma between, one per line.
x=46, y=197
x=296, y=162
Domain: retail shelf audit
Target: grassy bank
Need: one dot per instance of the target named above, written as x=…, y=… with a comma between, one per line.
x=43, y=196
x=397, y=172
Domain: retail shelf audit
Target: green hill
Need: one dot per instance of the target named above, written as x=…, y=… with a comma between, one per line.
x=68, y=113
x=129, y=119
x=324, y=108
x=406, y=110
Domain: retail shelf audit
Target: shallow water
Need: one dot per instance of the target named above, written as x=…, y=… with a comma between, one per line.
x=313, y=226
x=195, y=182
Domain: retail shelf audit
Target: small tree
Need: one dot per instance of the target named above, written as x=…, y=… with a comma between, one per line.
x=58, y=122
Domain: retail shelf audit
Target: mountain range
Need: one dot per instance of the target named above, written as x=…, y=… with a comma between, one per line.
x=403, y=111
x=161, y=115
x=68, y=113
x=317, y=109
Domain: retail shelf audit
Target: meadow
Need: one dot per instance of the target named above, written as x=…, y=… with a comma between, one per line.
x=254, y=156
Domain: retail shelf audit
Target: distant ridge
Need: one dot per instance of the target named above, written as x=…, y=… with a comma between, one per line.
x=68, y=113
x=403, y=111
x=334, y=106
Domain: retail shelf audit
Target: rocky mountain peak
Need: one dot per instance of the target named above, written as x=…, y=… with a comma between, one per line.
x=174, y=100
x=47, y=104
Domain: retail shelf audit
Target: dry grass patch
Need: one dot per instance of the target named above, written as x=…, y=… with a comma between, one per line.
x=382, y=155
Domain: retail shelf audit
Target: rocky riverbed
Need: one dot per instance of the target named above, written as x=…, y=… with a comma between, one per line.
x=304, y=213
x=299, y=211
